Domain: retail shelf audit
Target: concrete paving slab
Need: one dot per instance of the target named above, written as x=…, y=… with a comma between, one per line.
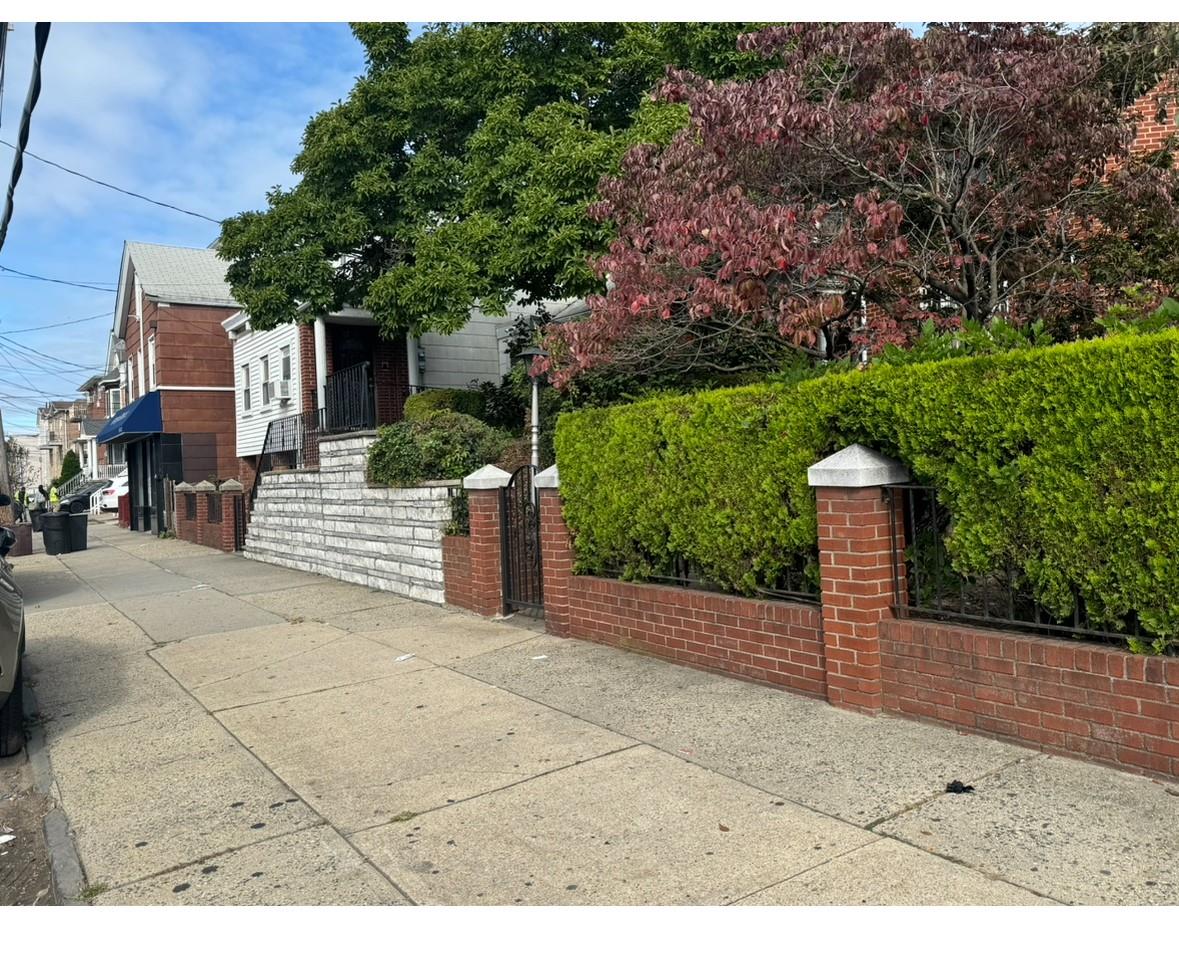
x=153, y=548
x=97, y=686
x=887, y=872
x=209, y=658
x=151, y=795
x=364, y=754
x=36, y=562
x=79, y=625
x=447, y=639
x=793, y=746
x=1076, y=832
x=236, y=575
x=375, y=621
x=311, y=867
x=636, y=827
x=102, y=559
x=323, y=600
x=47, y=589
x=141, y=583
x=348, y=660
x=173, y=617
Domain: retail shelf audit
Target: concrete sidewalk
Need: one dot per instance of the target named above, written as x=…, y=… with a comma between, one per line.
x=225, y=732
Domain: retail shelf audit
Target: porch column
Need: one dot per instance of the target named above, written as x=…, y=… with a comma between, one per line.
x=411, y=359
x=321, y=362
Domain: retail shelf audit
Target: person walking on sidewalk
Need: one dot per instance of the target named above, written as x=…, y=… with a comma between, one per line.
x=54, y=500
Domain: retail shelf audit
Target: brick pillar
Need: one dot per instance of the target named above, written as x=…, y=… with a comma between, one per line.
x=483, y=493
x=180, y=519
x=202, y=490
x=556, y=553
x=855, y=561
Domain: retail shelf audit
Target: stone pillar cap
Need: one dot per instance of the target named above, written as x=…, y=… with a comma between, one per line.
x=486, y=478
x=231, y=486
x=183, y=487
x=203, y=487
x=549, y=478
x=857, y=466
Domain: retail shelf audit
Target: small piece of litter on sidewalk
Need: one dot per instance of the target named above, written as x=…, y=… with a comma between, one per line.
x=957, y=787
x=5, y=838
x=405, y=657
x=541, y=657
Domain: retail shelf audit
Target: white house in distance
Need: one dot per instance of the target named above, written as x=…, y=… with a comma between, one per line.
x=339, y=365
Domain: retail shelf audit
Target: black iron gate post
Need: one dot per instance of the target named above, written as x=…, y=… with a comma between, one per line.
x=520, y=523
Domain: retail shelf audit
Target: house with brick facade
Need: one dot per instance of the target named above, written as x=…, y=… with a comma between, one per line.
x=175, y=374
x=101, y=400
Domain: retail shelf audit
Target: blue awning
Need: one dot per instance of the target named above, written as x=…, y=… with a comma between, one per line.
x=140, y=417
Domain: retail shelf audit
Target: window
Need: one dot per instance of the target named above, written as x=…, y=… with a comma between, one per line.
x=130, y=381
x=114, y=401
x=265, y=381
x=117, y=456
x=245, y=386
x=151, y=360
x=286, y=363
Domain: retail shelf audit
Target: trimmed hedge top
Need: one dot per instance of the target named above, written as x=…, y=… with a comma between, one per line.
x=1061, y=463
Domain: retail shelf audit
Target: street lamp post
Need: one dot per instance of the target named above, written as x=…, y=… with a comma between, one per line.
x=532, y=353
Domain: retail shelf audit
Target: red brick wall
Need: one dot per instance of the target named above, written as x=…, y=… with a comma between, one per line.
x=456, y=571
x=307, y=380
x=204, y=531
x=1087, y=700
x=391, y=375
x=556, y=560
x=1149, y=134
x=770, y=641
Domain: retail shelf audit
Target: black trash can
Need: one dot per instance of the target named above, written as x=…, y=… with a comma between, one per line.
x=78, y=528
x=55, y=530
x=35, y=515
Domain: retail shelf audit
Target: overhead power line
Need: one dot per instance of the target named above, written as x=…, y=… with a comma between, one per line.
x=103, y=183
x=60, y=323
x=64, y=364
x=108, y=289
x=40, y=39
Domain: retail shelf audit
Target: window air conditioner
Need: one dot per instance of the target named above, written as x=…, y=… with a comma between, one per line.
x=284, y=390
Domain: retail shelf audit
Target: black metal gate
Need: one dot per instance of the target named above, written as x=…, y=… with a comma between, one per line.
x=523, y=589
x=239, y=523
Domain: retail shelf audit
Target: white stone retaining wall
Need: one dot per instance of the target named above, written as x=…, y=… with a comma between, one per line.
x=331, y=522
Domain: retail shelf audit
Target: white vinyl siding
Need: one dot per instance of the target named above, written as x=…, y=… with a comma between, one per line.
x=475, y=353
x=249, y=348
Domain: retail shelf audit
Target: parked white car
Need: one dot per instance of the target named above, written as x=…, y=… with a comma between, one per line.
x=113, y=491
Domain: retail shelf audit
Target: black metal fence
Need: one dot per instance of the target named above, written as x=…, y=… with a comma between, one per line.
x=350, y=400
x=798, y=583
x=926, y=583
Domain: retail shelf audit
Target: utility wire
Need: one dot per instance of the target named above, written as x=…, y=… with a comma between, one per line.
x=63, y=323
x=53, y=280
x=103, y=183
x=41, y=38
x=64, y=363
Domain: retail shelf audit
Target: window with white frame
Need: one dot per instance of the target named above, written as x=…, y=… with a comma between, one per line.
x=117, y=456
x=114, y=401
x=245, y=386
x=151, y=361
x=130, y=381
x=286, y=363
x=265, y=381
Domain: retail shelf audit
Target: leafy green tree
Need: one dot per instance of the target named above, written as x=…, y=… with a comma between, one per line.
x=460, y=168
x=69, y=467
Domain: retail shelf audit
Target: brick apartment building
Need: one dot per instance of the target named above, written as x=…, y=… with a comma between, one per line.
x=175, y=374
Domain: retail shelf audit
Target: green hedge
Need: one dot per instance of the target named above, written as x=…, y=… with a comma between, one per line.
x=443, y=445
x=1061, y=462
x=421, y=405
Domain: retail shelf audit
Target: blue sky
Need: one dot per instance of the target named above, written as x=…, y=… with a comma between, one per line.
x=204, y=116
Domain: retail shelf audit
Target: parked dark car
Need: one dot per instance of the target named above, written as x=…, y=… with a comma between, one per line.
x=78, y=502
x=12, y=648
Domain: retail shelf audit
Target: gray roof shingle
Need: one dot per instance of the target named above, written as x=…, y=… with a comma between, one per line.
x=181, y=275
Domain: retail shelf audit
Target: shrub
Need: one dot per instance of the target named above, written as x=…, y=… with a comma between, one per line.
x=1061, y=462
x=442, y=446
x=421, y=405
x=70, y=467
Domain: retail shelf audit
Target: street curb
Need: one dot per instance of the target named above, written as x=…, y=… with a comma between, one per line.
x=65, y=866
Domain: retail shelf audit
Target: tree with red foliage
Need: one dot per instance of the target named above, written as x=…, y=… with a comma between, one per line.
x=964, y=172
